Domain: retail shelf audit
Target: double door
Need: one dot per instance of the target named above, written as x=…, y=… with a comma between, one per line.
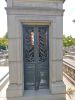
x=35, y=56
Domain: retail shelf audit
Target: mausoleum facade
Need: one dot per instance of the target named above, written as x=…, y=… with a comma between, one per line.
x=35, y=32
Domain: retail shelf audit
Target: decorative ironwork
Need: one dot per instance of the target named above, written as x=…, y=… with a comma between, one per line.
x=35, y=49
x=43, y=48
x=28, y=44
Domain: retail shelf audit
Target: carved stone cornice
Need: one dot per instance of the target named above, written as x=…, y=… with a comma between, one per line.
x=44, y=0
x=35, y=10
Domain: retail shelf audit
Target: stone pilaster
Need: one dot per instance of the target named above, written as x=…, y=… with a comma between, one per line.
x=15, y=87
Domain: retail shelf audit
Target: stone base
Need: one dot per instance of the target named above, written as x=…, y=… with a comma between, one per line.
x=58, y=88
x=42, y=97
x=14, y=90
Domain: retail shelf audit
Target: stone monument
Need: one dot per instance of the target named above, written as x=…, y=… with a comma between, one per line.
x=35, y=30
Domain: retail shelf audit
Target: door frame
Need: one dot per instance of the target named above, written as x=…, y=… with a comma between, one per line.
x=36, y=24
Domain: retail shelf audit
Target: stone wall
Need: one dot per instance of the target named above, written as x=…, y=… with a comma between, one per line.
x=47, y=12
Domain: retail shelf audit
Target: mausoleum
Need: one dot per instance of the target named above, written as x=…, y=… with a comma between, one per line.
x=35, y=32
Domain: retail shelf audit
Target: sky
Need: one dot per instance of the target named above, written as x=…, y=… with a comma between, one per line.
x=68, y=25
x=69, y=16
x=3, y=18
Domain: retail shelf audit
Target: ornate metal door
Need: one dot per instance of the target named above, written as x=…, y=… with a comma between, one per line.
x=35, y=55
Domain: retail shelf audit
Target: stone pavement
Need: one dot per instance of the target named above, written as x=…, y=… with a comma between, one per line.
x=3, y=92
x=3, y=71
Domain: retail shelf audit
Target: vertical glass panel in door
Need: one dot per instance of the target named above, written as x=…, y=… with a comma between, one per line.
x=43, y=65
x=28, y=56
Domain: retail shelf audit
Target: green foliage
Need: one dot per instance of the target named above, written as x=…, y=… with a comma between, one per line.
x=4, y=42
x=68, y=41
x=73, y=39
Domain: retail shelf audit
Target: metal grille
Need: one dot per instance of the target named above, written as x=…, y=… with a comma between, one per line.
x=35, y=55
x=43, y=48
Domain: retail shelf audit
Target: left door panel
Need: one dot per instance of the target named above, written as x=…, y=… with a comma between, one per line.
x=28, y=56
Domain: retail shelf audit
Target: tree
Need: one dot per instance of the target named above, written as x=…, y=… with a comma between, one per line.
x=4, y=42
x=67, y=40
x=73, y=39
